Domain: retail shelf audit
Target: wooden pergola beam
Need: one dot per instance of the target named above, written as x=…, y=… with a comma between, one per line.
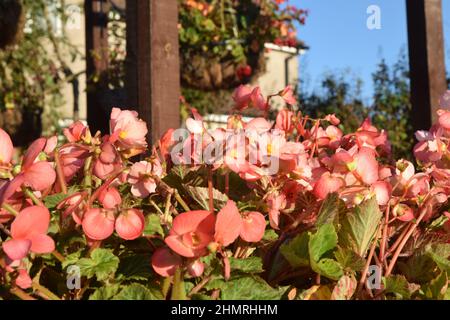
x=427, y=60
x=97, y=61
x=153, y=65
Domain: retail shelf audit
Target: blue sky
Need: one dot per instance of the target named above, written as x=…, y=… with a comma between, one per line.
x=339, y=39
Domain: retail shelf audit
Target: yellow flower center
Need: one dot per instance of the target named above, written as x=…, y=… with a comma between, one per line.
x=269, y=149
x=123, y=135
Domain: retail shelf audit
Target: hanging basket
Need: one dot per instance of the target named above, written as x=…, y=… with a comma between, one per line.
x=208, y=74
x=12, y=20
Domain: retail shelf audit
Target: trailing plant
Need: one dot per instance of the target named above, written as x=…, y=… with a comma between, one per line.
x=222, y=41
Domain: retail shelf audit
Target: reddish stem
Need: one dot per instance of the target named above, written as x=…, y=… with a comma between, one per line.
x=60, y=173
x=404, y=241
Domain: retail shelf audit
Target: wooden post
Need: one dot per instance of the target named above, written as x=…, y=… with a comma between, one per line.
x=153, y=67
x=97, y=58
x=427, y=61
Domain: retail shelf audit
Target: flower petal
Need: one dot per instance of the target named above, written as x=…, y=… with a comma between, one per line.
x=33, y=151
x=17, y=249
x=98, y=224
x=41, y=244
x=130, y=224
x=40, y=176
x=228, y=224
x=30, y=221
x=165, y=262
x=6, y=147
x=253, y=227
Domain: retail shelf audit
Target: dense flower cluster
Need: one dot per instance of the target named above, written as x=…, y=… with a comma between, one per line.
x=206, y=201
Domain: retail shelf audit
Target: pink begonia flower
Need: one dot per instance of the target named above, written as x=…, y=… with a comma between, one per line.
x=253, y=227
x=275, y=203
x=420, y=185
x=288, y=96
x=166, y=143
x=327, y=184
x=191, y=233
x=228, y=224
x=110, y=198
x=367, y=165
x=242, y=96
x=403, y=212
x=142, y=177
x=29, y=233
x=284, y=121
x=75, y=132
x=23, y=280
x=130, y=224
x=383, y=191
x=98, y=224
x=50, y=146
x=195, y=126
x=444, y=120
x=404, y=172
x=259, y=125
x=258, y=100
x=108, y=162
x=128, y=130
x=6, y=148
x=333, y=119
x=196, y=268
x=165, y=262
x=74, y=205
x=38, y=175
x=72, y=158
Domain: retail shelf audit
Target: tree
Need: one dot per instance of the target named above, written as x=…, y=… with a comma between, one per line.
x=33, y=71
x=391, y=109
x=337, y=95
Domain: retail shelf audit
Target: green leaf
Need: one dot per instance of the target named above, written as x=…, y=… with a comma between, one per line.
x=323, y=241
x=249, y=288
x=398, y=285
x=270, y=235
x=439, y=253
x=153, y=225
x=349, y=259
x=103, y=264
x=328, y=268
x=71, y=259
x=138, y=292
x=249, y=265
x=135, y=267
x=105, y=293
x=419, y=268
x=437, y=289
x=52, y=201
x=201, y=196
x=329, y=212
x=296, y=251
x=359, y=228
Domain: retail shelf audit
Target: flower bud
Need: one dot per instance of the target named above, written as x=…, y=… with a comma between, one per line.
x=196, y=268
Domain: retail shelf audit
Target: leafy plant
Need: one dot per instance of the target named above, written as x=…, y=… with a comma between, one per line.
x=292, y=209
